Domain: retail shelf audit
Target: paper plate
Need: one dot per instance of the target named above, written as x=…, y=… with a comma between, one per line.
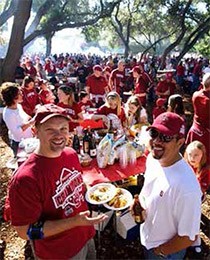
x=126, y=195
x=100, y=193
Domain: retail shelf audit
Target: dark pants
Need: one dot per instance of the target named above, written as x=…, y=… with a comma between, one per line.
x=14, y=146
x=149, y=254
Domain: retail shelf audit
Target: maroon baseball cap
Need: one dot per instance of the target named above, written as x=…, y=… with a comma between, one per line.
x=170, y=124
x=45, y=112
x=98, y=68
x=160, y=102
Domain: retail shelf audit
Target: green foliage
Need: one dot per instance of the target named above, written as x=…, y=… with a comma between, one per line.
x=202, y=47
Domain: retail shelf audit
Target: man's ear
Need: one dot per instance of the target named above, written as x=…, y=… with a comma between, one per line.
x=181, y=142
x=35, y=131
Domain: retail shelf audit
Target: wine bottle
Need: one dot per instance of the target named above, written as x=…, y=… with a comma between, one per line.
x=86, y=142
x=76, y=142
x=92, y=145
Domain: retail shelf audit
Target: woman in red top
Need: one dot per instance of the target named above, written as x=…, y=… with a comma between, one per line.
x=200, y=129
x=66, y=100
x=30, y=96
x=195, y=155
x=111, y=106
x=142, y=83
x=45, y=93
x=85, y=102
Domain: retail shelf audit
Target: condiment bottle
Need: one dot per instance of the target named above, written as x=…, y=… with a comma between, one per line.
x=138, y=210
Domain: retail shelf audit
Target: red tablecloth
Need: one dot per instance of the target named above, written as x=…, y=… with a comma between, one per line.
x=93, y=175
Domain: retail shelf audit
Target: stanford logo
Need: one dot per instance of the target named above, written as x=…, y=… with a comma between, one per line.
x=69, y=190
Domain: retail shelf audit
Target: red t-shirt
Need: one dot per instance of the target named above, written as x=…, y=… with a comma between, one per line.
x=30, y=100
x=44, y=94
x=72, y=112
x=97, y=84
x=157, y=111
x=165, y=85
x=142, y=85
x=85, y=106
x=180, y=70
x=203, y=177
x=104, y=110
x=117, y=77
x=51, y=189
x=201, y=105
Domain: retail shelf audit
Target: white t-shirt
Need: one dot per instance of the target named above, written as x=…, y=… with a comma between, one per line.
x=172, y=199
x=14, y=119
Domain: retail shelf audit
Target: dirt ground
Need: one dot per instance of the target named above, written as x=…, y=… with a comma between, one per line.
x=112, y=246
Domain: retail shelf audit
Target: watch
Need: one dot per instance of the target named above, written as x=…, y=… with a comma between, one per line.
x=160, y=252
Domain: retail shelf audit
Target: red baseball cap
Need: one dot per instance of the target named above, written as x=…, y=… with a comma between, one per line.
x=170, y=124
x=98, y=68
x=107, y=68
x=45, y=112
x=160, y=102
x=136, y=69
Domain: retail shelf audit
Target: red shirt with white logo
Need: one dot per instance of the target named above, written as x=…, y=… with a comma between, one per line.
x=73, y=112
x=51, y=189
x=30, y=100
x=118, y=78
x=96, y=84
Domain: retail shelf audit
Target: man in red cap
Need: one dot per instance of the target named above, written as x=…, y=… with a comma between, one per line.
x=171, y=194
x=166, y=87
x=46, y=194
x=97, y=86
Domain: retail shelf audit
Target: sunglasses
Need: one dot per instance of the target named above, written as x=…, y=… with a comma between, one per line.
x=163, y=138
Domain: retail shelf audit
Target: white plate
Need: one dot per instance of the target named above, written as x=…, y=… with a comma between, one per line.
x=22, y=154
x=125, y=194
x=107, y=195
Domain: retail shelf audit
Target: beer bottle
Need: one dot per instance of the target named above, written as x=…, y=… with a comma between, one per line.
x=76, y=142
x=138, y=210
x=92, y=145
x=86, y=142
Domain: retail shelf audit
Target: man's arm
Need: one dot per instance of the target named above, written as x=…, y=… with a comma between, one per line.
x=174, y=245
x=54, y=227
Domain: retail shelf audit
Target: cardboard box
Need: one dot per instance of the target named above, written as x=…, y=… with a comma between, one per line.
x=126, y=227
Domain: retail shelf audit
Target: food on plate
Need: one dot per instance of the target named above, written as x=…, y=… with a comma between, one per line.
x=100, y=194
x=119, y=199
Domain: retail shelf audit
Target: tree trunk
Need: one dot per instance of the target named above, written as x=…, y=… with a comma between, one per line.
x=15, y=48
x=48, y=38
x=49, y=46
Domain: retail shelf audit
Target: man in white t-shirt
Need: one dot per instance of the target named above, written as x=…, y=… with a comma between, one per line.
x=171, y=194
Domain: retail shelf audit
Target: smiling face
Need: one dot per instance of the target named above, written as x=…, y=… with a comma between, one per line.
x=194, y=156
x=63, y=98
x=53, y=136
x=167, y=153
x=112, y=101
x=132, y=108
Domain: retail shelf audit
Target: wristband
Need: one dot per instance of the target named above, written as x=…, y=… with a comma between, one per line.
x=161, y=254
x=35, y=231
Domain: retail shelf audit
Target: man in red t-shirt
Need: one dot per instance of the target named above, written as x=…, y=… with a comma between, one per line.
x=46, y=194
x=117, y=78
x=97, y=86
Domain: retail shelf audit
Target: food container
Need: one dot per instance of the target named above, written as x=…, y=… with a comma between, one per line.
x=85, y=160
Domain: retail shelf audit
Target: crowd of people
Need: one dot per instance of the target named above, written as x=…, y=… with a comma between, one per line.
x=49, y=99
